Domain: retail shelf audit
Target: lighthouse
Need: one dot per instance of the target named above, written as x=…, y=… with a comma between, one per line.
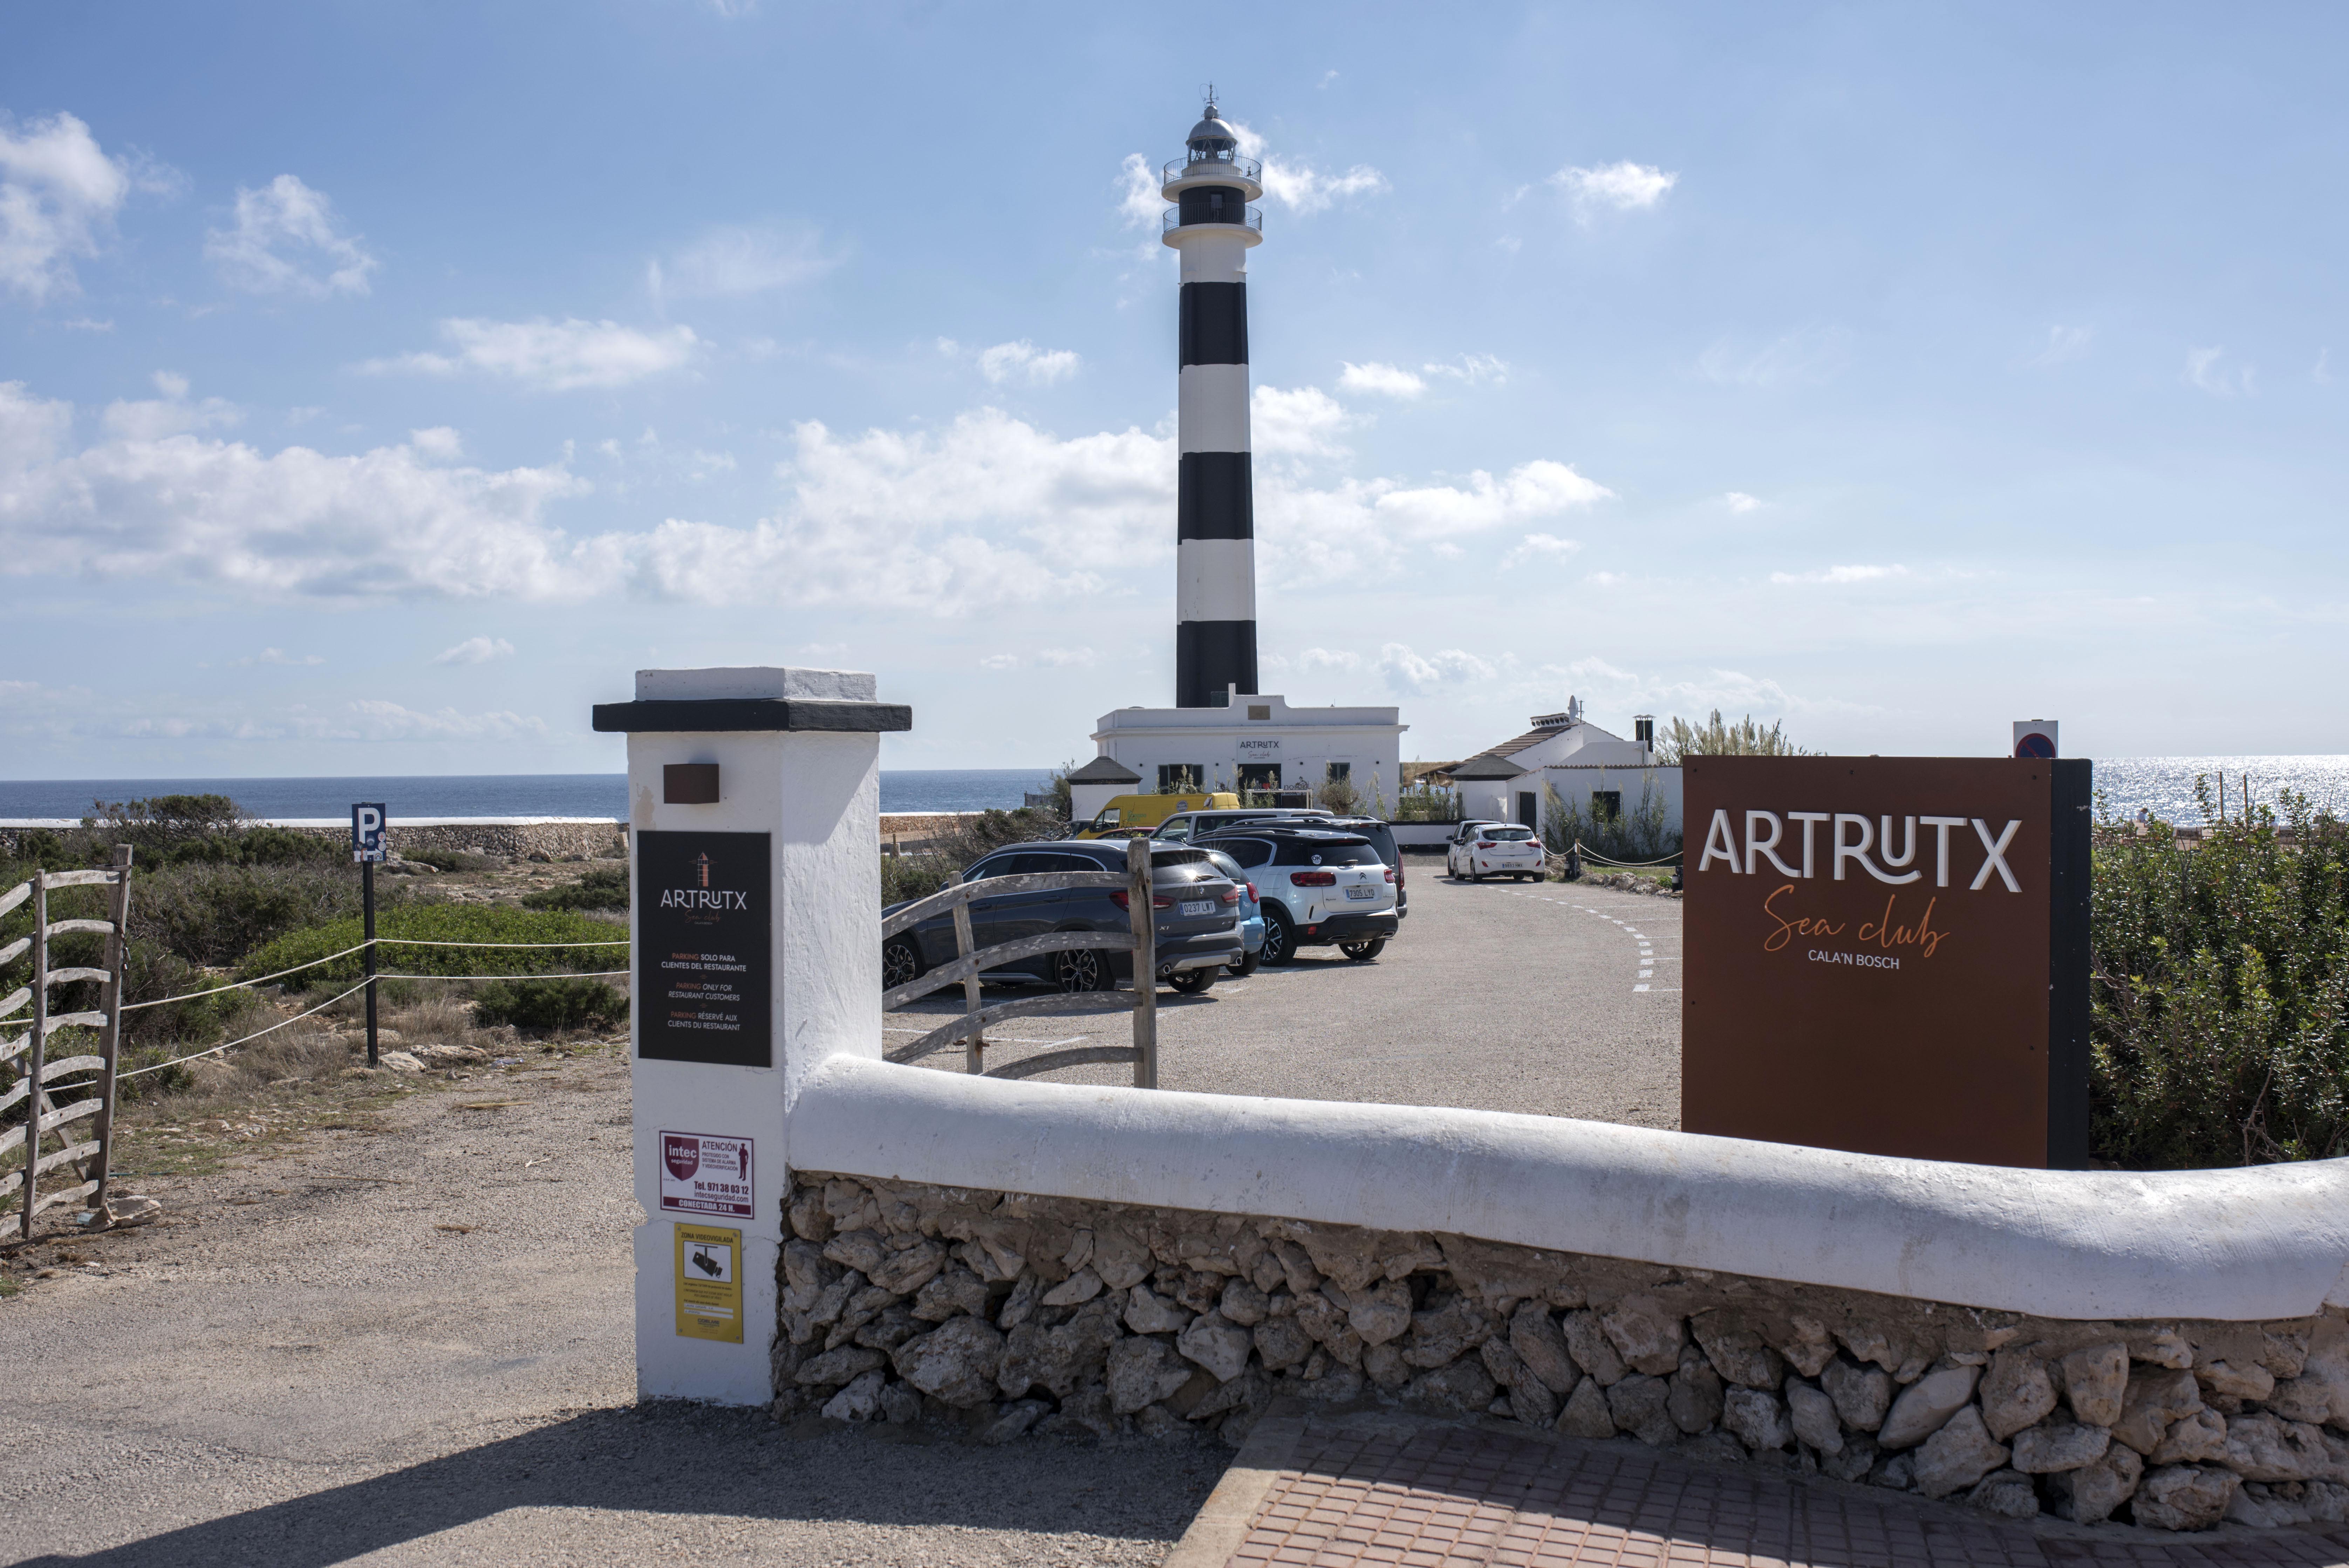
x=1212, y=227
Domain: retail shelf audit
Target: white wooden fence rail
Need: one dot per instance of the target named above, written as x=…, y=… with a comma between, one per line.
x=42, y=1117
x=968, y=966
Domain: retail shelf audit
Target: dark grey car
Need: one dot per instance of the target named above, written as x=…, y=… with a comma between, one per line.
x=1197, y=920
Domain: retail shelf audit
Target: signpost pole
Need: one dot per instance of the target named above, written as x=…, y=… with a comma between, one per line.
x=367, y=915
x=369, y=845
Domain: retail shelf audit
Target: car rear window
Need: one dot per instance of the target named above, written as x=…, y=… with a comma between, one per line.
x=1176, y=857
x=1248, y=852
x=1326, y=853
x=1510, y=835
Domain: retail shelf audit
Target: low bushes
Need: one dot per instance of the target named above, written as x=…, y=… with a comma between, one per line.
x=2219, y=984
x=1636, y=835
x=605, y=887
x=449, y=923
x=566, y=1004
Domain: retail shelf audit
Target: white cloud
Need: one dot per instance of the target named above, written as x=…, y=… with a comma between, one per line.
x=1386, y=380
x=1540, y=547
x=1841, y=574
x=475, y=651
x=1329, y=659
x=151, y=420
x=58, y=194
x=2203, y=370
x=2321, y=372
x=1809, y=355
x=1000, y=662
x=276, y=656
x=735, y=261
x=86, y=324
x=1624, y=186
x=1472, y=369
x=1740, y=502
x=439, y=443
x=986, y=513
x=551, y=356
x=1413, y=675
x=1023, y=359
x=1139, y=201
x=366, y=719
x=287, y=241
x=1299, y=186
x=153, y=498
x=2064, y=345
x=1303, y=423
x=1066, y=658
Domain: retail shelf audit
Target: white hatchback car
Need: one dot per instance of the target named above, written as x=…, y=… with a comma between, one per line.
x=1481, y=850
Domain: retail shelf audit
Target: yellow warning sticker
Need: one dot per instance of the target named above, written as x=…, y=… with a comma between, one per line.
x=708, y=1282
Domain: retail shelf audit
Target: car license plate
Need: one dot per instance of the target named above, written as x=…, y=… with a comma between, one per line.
x=1199, y=906
x=1361, y=892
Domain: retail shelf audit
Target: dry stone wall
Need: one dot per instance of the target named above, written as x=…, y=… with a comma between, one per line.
x=1025, y=1315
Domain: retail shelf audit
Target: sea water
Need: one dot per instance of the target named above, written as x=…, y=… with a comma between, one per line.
x=2163, y=785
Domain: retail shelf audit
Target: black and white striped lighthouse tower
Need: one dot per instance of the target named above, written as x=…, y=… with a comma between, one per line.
x=1212, y=227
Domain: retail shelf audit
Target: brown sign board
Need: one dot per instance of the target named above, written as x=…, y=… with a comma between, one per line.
x=1933, y=1006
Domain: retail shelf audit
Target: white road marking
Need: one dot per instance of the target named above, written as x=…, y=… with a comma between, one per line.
x=1638, y=987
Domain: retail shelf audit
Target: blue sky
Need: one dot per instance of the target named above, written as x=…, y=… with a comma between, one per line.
x=380, y=385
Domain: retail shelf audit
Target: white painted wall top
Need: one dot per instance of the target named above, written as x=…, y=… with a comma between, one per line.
x=754, y=681
x=2266, y=1242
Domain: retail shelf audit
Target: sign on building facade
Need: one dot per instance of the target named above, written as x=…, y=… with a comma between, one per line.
x=1889, y=955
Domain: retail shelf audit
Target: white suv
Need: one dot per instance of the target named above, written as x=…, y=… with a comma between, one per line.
x=1319, y=887
x=1480, y=850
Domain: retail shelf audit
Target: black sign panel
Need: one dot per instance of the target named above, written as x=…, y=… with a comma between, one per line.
x=705, y=979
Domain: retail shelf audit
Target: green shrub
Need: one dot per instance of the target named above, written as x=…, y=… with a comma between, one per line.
x=449, y=923
x=2219, y=989
x=447, y=860
x=605, y=887
x=1634, y=836
x=571, y=1003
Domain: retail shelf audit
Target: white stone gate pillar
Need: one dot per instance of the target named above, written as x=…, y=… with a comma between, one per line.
x=754, y=921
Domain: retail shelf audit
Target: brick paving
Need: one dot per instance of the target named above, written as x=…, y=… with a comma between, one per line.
x=1378, y=1489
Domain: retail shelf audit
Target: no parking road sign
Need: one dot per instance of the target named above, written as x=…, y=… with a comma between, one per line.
x=367, y=823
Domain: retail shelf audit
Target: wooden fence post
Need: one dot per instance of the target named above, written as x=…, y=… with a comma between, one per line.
x=35, y=1100
x=118, y=958
x=1142, y=916
x=974, y=1059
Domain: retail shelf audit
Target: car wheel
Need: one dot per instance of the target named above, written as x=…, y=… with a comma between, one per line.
x=1081, y=969
x=1279, y=938
x=1364, y=951
x=1243, y=968
x=1191, y=982
x=900, y=962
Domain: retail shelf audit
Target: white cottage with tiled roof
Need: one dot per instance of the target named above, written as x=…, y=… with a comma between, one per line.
x=1565, y=751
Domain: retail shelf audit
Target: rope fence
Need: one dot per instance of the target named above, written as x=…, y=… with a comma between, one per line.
x=377, y=942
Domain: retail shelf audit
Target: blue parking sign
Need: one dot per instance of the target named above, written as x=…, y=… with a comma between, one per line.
x=367, y=823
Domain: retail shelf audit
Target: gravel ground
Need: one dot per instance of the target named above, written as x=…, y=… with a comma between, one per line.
x=302, y=1368
x=410, y=1342
x=1497, y=996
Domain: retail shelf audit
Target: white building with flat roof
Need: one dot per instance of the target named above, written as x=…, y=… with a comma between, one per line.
x=1258, y=742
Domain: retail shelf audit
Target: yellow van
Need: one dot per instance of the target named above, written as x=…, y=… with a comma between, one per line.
x=1127, y=813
